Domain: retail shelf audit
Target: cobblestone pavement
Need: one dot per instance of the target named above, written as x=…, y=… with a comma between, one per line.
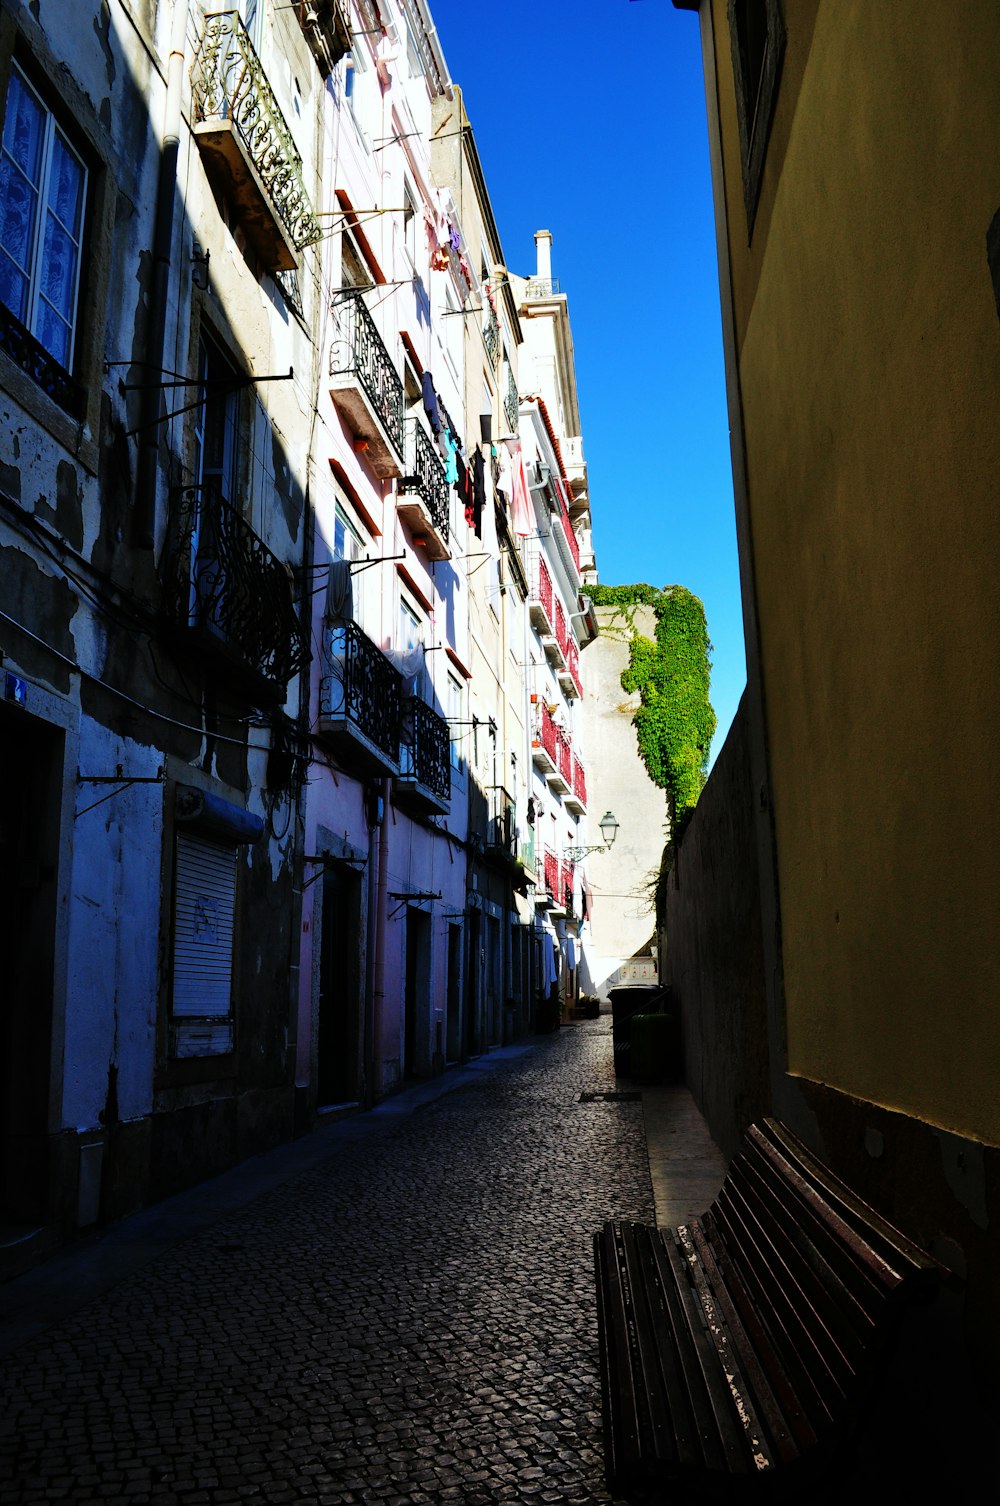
x=411, y=1321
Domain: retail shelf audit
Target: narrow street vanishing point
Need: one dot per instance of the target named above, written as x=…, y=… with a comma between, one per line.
x=410, y=1319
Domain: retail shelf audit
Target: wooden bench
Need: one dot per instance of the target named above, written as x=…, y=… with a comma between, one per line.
x=737, y=1349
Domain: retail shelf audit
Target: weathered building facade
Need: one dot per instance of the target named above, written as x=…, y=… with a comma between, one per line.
x=264, y=599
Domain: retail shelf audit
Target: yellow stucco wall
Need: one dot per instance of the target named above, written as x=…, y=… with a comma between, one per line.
x=870, y=379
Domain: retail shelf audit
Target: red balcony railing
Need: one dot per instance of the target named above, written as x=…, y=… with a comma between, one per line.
x=579, y=781
x=552, y=875
x=573, y=663
x=546, y=732
x=562, y=627
x=574, y=547
x=567, y=886
x=564, y=757
x=541, y=586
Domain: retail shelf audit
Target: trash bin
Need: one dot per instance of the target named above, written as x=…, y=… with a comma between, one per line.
x=628, y=1000
x=655, y=1047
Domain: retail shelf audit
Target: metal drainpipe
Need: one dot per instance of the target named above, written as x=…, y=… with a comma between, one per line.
x=371, y=915
x=151, y=407
x=382, y=897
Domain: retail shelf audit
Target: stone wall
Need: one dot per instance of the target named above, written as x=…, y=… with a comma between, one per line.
x=713, y=953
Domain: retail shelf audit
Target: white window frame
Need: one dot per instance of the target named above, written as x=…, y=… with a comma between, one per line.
x=51, y=130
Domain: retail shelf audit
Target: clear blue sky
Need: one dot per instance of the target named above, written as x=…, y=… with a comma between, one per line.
x=589, y=116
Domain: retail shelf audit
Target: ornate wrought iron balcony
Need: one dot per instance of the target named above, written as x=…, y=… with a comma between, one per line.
x=543, y=739
x=423, y=501
x=365, y=385
x=359, y=701
x=245, y=139
x=224, y=587
x=424, y=757
x=511, y=403
x=491, y=331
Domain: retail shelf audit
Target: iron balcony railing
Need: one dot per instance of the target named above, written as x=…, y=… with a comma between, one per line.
x=363, y=687
x=426, y=477
x=44, y=370
x=358, y=350
x=526, y=851
x=501, y=833
x=552, y=875
x=222, y=582
x=491, y=332
x=511, y=403
x=425, y=747
x=229, y=83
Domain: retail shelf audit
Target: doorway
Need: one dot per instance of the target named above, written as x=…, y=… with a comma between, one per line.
x=31, y=756
x=416, y=1004
x=339, y=1040
x=453, y=1022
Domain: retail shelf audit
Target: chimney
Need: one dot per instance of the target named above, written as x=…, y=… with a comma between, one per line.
x=543, y=254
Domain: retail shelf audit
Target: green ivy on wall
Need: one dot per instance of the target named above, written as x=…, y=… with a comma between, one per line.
x=675, y=722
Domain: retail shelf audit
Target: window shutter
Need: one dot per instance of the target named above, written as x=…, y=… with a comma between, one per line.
x=204, y=905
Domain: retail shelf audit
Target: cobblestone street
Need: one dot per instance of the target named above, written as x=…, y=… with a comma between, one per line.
x=409, y=1320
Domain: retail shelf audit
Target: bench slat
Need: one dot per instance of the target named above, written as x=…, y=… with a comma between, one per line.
x=810, y=1253
x=799, y=1336
x=675, y=1413
x=788, y=1428
x=721, y=1437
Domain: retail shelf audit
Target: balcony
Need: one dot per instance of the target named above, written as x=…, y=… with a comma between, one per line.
x=543, y=740
x=554, y=643
x=526, y=855
x=552, y=894
x=569, y=675
x=564, y=534
x=359, y=702
x=501, y=832
x=247, y=146
x=327, y=28
x=424, y=779
x=540, y=598
x=575, y=468
x=491, y=330
x=561, y=777
x=423, y=498
x=228, y=596
x=566, y=878
x=511, y=403
x=576, y=798
x=365, y=386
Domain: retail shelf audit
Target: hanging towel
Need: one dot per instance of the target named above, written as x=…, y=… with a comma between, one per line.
x=431, y=403
x=451, y=458
x=549, y=974
x=570, y=945
x=478, y=491
x=339, y=592
x=521, y=510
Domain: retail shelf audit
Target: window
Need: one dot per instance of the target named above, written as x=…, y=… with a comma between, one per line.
x=757, y=36
x=216, y=424
x=349, y=545
x=410, y=224
x=43, y=191
x=456, y=702
x=410, y=659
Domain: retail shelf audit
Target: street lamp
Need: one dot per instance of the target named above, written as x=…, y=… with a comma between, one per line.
x=609, y=830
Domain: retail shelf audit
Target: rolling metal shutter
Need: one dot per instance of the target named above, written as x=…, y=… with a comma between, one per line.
x=204, y=906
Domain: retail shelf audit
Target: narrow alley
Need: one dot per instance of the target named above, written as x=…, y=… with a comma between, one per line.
x=409, y=1318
